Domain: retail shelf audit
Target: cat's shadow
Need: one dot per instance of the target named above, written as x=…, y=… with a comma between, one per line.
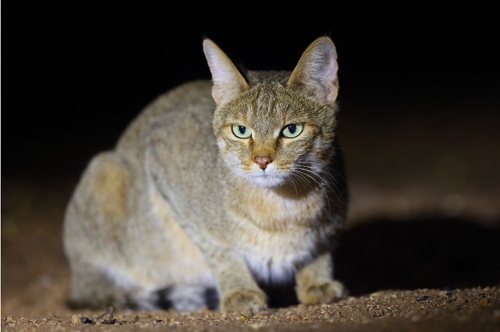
x=443, y=253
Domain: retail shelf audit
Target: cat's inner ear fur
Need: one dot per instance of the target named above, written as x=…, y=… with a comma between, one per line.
x=228, y=81
x=316, y=72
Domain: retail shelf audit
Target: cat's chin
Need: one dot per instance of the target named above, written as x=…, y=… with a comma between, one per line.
x=267, y=181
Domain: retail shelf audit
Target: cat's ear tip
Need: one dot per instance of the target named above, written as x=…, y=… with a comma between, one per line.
x=325, y=38
x=327, y=34
x=326, y=43
x=207, y=41
x=209, y=46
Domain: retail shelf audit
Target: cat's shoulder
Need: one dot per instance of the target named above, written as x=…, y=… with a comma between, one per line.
x=191, y=90
x=187, y=97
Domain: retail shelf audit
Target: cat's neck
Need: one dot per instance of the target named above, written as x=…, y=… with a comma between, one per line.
x=296, y=190
x=274, y=208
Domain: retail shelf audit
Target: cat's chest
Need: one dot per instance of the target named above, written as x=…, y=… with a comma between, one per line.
x=276, y=234
x=275, y=212
x=276, y=256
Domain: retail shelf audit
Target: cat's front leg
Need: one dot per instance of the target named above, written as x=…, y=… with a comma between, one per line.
x=315, y=284
x=244, y=300
x=238, y=291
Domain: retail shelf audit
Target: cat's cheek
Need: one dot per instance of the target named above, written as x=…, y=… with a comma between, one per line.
x=226, y=149
x=222, y=145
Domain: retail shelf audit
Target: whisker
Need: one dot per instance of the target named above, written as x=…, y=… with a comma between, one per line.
x=325, y=176
x=290, y=179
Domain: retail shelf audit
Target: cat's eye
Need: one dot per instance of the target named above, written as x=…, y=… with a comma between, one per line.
x=241, y=131
x=292, y=130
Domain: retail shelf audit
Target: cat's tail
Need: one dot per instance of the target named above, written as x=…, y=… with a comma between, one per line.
x=186, y=297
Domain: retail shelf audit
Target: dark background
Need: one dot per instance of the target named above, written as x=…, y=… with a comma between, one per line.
x=75, y=75
x=419, y=116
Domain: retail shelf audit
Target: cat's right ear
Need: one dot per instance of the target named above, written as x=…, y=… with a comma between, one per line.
x=228, y=81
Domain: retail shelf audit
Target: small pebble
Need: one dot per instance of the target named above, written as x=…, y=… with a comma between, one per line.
x=295, y=317
x=85, y=320
x=422, y=298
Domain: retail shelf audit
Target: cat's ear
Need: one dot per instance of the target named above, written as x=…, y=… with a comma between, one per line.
x=228, y=81
x=316, y=72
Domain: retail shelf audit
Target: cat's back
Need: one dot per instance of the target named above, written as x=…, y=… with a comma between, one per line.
x=188, y=105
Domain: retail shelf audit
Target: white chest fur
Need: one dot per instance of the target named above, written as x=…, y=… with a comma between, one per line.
x=274, y=256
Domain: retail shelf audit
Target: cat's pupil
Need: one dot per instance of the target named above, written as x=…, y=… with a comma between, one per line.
x=242, y=130
x=292, y=128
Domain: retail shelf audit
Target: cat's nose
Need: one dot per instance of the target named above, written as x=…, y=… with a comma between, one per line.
x=262, y=161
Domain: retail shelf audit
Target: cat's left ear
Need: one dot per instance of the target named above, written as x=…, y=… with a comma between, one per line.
x=228, y=82
x=316, y=72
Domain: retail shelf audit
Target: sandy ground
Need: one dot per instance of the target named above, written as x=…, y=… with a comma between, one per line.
x=420, y=252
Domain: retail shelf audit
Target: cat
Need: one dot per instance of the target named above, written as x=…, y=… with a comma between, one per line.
x=215, y=192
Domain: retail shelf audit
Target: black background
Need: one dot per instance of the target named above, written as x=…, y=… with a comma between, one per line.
x=75, y=75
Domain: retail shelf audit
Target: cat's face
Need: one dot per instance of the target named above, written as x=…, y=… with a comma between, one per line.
x=274, y=129
x=272, y=136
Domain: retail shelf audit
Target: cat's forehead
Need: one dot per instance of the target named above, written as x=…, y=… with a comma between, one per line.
x=274, y=99
x=266, y=106
x=270, y=76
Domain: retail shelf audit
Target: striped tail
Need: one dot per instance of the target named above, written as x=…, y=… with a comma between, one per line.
x=186, y=298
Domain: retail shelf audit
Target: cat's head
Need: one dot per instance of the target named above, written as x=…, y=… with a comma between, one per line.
x=274, y=128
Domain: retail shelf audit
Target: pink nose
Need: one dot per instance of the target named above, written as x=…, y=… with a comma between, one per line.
x=262, y=161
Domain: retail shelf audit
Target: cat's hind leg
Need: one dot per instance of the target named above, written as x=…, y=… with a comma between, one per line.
x=92, y=287
x=94, y=235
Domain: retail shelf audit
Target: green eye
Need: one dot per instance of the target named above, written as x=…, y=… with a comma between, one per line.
x=292, y=130
x=241, y=132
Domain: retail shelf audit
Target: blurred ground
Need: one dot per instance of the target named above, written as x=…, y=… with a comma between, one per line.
x=424, y=222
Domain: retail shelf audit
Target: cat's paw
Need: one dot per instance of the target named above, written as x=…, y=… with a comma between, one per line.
x=246, y=300
x=325, y=292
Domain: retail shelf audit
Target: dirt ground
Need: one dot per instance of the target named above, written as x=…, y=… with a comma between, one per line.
x=421, y=251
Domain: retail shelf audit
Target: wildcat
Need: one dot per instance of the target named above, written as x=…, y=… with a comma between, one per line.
x=214, y=192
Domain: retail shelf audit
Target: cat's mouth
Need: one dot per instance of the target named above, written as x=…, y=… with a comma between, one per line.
x=266, y=178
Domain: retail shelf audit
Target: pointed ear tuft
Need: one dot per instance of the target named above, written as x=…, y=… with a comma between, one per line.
x=228, y=81
x=316, y=72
